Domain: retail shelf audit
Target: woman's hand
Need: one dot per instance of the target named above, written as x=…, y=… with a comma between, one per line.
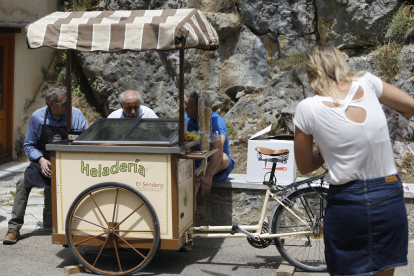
x=307, y=159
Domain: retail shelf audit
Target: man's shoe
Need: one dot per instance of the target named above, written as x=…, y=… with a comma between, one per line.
x=186, y=247
x=12, y=236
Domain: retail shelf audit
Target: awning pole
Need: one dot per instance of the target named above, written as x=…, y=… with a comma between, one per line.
x=69, y=92
x=181, y=111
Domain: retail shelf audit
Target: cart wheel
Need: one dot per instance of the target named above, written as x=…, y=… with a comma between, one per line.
x=105, y=226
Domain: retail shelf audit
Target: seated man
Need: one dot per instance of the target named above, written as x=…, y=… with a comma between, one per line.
x=47, y=125
x=131, y=107
x=220, y=164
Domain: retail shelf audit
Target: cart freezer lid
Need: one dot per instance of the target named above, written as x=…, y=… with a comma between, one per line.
x=111, y=31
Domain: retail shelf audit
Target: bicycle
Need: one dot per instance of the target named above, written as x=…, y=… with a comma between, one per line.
x=296, y=225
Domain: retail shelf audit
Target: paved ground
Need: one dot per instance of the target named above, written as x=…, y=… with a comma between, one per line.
x=35, y=255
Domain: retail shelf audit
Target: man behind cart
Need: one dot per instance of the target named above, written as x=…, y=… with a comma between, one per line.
x=220, y=164
x=47, y=125
x=131, y=107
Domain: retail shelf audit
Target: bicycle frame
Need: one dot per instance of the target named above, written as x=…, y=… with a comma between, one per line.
x=257, y=228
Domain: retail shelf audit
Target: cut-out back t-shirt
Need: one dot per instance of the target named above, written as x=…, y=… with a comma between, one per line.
x=351, y=150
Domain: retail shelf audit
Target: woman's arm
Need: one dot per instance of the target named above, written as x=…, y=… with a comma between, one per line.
x=397, y=99
x=307, y=159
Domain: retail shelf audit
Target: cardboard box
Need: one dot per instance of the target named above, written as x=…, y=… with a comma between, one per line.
x=256, y=170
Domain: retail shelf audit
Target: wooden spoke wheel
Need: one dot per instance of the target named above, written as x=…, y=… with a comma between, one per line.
x=112, y=229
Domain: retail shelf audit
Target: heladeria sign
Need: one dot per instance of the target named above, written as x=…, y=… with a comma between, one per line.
x=114, y=169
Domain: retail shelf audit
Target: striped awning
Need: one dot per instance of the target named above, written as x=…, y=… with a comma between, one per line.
x=111, y=31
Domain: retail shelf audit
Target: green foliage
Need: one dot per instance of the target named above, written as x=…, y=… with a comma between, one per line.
x=387, y=53
x=402, y=23
x=13, y=193
x=82, y=95
x=293, y=61
x=195, y=4
x=81, y=5
x=230, y=129
x=224, y=6
x=386, y=60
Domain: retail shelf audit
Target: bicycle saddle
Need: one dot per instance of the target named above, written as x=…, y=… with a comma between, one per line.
x=271, y=152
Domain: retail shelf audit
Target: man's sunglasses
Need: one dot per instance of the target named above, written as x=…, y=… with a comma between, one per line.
x=62, y=104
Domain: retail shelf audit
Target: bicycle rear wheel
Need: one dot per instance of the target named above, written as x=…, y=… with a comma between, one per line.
x=306, y=251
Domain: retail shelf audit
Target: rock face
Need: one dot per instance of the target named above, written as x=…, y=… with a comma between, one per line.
x=244, y=73
x=348, y=23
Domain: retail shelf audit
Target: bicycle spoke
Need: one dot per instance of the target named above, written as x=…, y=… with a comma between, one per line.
x=89, y=238
x=130, y=246
x=116, y=199
x=135, y=231
x=117, y=256
x=129, y=215
x=99, y=209
x=107, y=238
x=90, y=222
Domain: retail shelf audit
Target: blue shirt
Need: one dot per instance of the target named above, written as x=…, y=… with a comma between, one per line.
x=31, y=143
x=218, y=126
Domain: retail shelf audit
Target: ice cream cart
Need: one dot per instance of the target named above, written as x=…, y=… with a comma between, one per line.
x=124, y=187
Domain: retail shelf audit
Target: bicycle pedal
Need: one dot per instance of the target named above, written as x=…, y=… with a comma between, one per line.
x=234, y=229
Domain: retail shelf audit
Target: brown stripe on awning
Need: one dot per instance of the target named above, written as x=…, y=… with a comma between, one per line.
x=158, y=20
x=163, y=17
x=203, y=27
x=94, y=20
x=201, y=39
x=105, y=14
x=166, y=13
x=52, y=34
x=117, y=37
x=150, y=36
x=137, y=13
x=85, y=34
x=180, y=31
x=126, y=20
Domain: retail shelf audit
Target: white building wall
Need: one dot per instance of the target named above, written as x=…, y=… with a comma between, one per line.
x=28, y=64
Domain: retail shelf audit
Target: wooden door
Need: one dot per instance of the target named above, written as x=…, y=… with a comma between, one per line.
x=6, y=95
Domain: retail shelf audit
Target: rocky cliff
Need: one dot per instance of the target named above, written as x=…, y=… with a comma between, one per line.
x=248, y=85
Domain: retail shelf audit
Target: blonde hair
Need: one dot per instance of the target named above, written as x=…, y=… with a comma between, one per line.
x=325, y=66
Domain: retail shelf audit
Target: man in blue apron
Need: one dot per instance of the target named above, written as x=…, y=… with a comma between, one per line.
x=47, y=125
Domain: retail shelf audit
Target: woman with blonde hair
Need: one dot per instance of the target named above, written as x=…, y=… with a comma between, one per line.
x=365, y=224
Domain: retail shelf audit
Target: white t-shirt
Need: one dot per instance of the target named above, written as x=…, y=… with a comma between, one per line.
x=351, y=150
x=144, y=112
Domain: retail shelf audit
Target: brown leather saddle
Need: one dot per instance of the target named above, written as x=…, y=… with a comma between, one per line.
x=271, y=152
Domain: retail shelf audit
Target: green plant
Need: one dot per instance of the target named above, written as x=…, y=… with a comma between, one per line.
x=230, y=129
x=402, y=23
x=81, y=5
x=82, y=95
x=42, y=193
x=13, y=193
x=224, y=6
x=196, y=4
x=386, y=60
x=293, y=60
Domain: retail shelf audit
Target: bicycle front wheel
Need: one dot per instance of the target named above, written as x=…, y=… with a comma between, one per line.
x=305, y=251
